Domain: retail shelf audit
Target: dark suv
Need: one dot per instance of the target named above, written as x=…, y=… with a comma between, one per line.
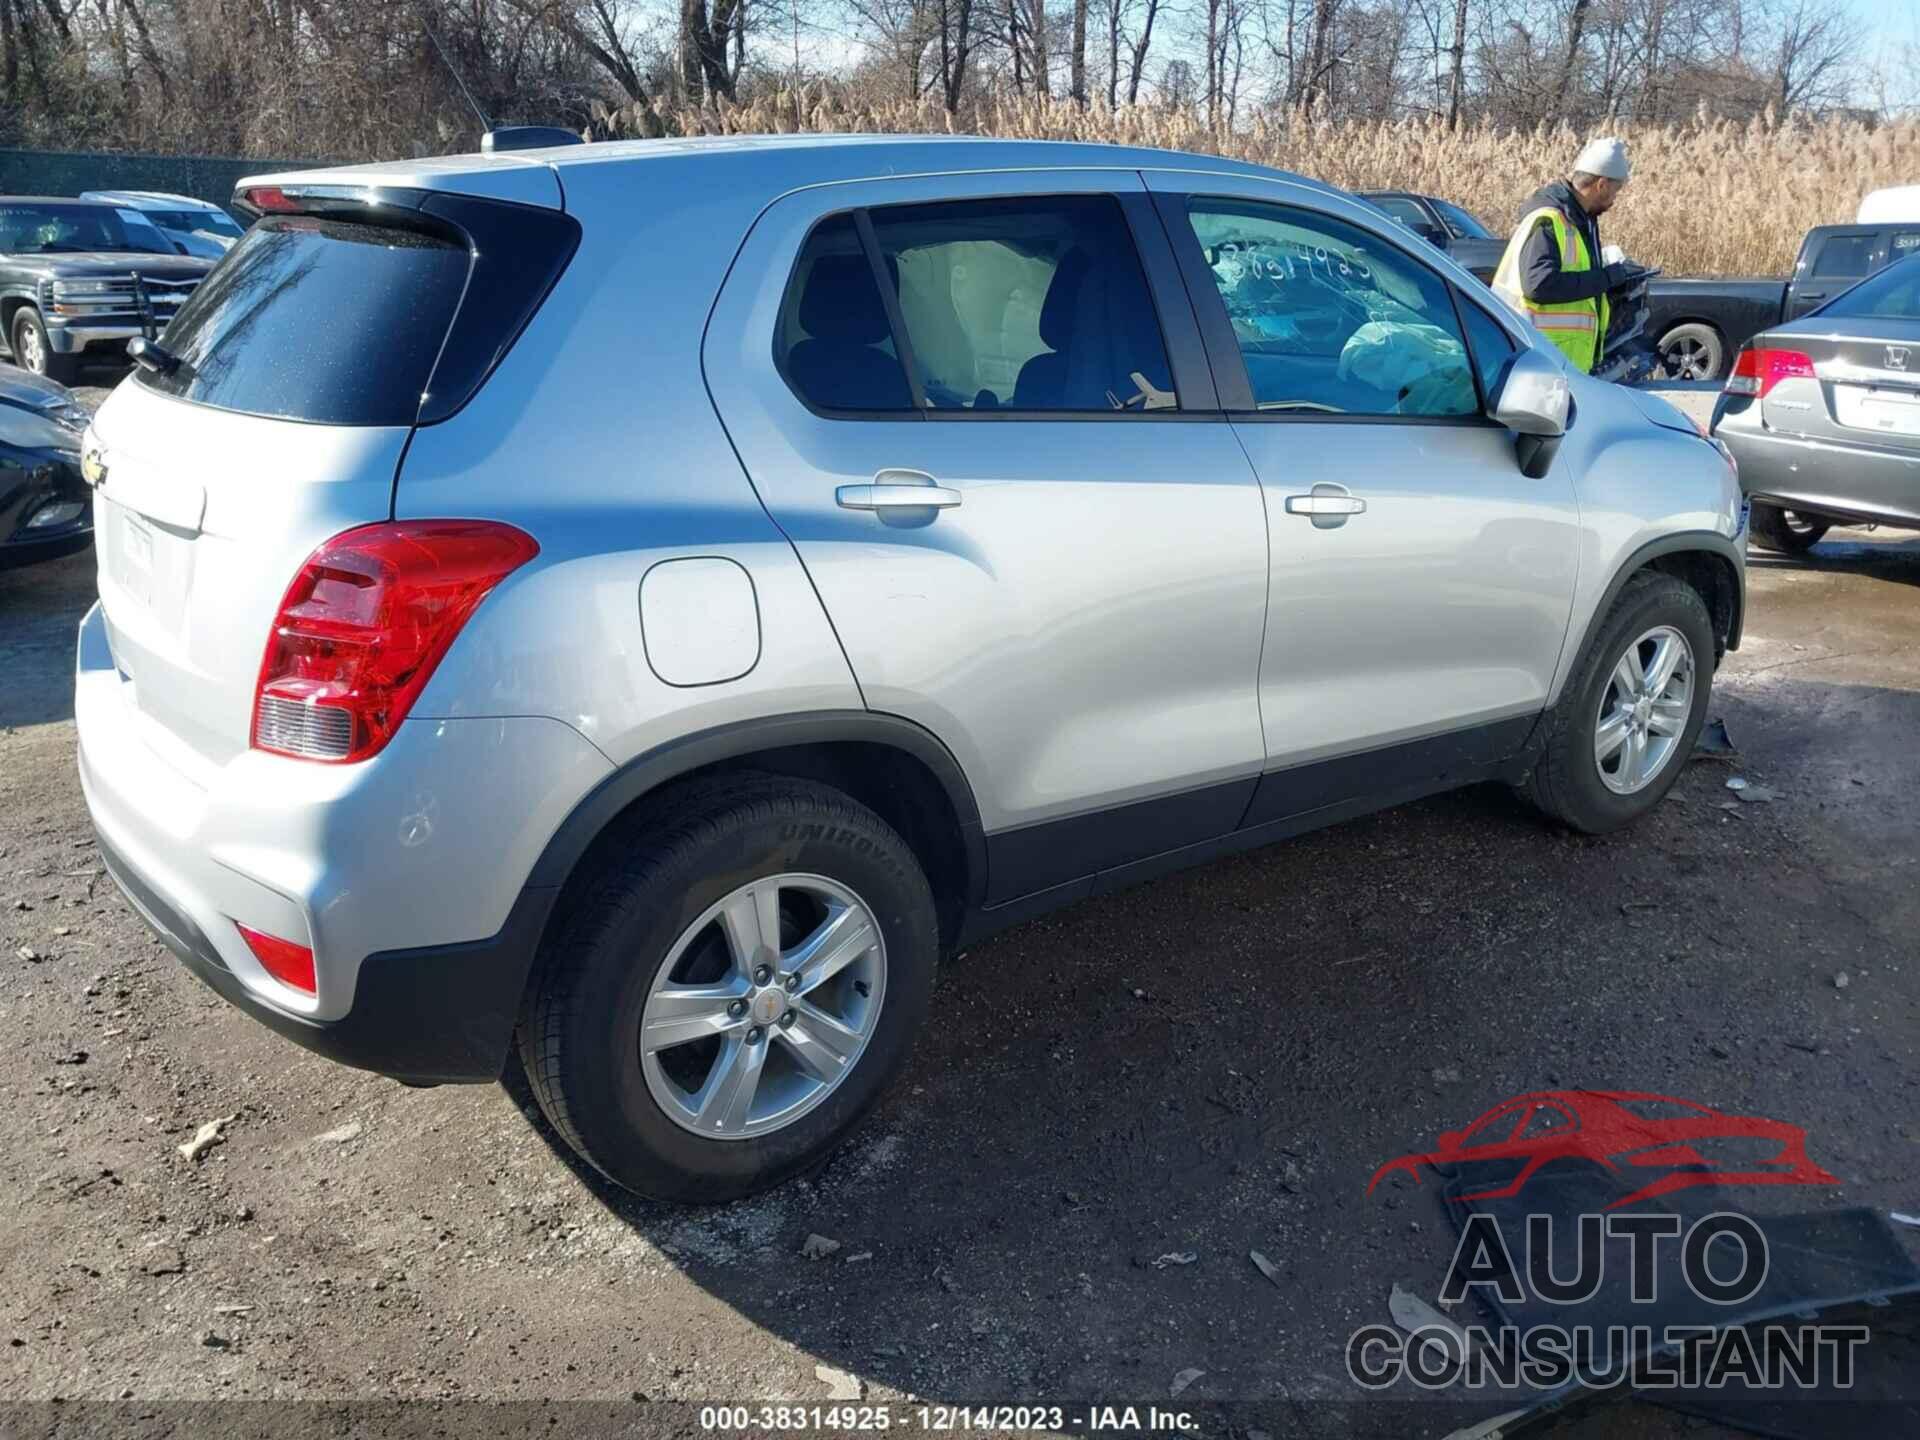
x=78, y=278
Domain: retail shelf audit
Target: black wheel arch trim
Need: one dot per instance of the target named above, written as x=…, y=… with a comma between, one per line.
x=1710, y=542
x=744, y=738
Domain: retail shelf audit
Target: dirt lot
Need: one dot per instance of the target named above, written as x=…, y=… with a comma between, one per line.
x=1212, y=1064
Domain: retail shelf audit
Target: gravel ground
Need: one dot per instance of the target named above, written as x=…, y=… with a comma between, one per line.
x=1210, y=1065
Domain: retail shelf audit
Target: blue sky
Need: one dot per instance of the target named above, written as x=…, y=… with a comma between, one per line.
x=1892, y=21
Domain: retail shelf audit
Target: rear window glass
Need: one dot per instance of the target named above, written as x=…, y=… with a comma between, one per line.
x=321, y=320
x=1893, y=294
x=1844, y=255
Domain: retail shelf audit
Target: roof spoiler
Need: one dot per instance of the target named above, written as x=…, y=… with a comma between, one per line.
x=526, y=137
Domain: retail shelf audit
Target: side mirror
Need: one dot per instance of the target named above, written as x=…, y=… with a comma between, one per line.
x=1534, y=400
x=1533, y=397
x=1432, y=234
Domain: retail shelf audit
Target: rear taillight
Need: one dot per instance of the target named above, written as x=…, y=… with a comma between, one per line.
x=1756, y=371
x=287, y=962
x=364, y=624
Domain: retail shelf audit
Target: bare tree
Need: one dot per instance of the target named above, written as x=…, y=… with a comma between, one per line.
x=1817, y=42
x=706, y=40
x=955, y=19
x=1137, y=52
x=1077, y=63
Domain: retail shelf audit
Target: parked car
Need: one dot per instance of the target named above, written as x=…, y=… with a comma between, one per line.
x=476, y=667
x=76, y=281
x=1446, y=226
x=1823, y=414
x=192, y=227
x=1702, y=323
x=46, y=510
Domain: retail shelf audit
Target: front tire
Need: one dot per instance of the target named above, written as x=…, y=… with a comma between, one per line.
x=33, y=351
x=1791, y=532
x=733, y=988
x=1621, y=734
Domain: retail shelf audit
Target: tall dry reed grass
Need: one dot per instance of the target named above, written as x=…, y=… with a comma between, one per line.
x=1709, y=198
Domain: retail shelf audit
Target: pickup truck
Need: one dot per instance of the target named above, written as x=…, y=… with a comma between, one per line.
x=1701, y=324
x=77, y=281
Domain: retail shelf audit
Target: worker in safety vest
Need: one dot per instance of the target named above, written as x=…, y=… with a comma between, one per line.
x=1552, y=271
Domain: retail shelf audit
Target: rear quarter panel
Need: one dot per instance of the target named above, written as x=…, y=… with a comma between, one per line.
x=597, y=437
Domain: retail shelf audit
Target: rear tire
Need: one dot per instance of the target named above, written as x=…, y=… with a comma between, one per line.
x=660, y=915
x=1571, y=782
x=1791, y=532
x=33, y=351
x=1692, y=352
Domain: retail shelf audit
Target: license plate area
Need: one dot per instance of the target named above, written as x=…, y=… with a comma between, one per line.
x=1884, y=409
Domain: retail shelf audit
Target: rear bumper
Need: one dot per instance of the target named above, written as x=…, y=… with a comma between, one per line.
x=406, y=875
x=1847, y=481
x=431, y=1016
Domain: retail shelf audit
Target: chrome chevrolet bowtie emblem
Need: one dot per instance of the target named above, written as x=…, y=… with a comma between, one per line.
x=1896, y=357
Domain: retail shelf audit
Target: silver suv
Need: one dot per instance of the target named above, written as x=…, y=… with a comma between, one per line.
x=641, y=605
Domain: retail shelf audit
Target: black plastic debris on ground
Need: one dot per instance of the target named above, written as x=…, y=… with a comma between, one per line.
x=1714, y=743
x=1835, y=1267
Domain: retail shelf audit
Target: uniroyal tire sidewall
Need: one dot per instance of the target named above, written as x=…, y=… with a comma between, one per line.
x=1672, y=603
x=623, y=1126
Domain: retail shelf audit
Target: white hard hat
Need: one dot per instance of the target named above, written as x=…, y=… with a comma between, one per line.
x=1606, y=157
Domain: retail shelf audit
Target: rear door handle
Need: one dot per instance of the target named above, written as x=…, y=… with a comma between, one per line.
x=1328, y=506
x=897, y=490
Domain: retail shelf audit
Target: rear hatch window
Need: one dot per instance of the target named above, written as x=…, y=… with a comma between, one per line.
x=369, y=318
x=320, y=320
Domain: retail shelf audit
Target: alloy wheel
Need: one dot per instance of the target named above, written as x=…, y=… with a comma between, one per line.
x=1644, y=709
x=1686, y=360
x=32, y=353
x=763, y=1006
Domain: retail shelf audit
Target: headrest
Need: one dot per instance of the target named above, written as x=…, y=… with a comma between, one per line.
x=1058, y=310
x=840, y=303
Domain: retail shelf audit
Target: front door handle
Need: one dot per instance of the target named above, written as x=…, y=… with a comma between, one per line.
x=897, y=490
x=1328, y=506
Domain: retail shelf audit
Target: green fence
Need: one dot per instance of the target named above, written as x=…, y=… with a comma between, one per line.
x=54, y=172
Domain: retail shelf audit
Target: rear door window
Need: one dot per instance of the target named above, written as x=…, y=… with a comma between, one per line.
x=1845, y=257
x=1035, y=304
x=330, y=321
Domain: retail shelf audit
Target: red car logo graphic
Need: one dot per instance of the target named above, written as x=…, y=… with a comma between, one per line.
x=1622, y=1129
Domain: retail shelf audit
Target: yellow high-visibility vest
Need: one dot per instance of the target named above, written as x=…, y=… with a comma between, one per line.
x=1578, y=327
